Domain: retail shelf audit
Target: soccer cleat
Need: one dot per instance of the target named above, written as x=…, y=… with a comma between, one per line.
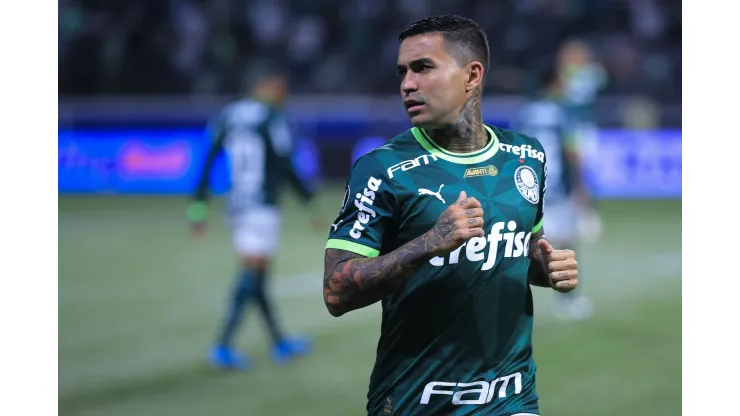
x=290, y=348
x=226, y=358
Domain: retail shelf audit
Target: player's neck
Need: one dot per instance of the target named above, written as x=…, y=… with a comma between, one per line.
x=467, y=133
x=265, y=99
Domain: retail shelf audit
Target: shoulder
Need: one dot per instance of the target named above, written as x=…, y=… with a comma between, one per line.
x=510, y=138
x=519, y=144
x=399, y=148
x=247, y=112
x=402, y=143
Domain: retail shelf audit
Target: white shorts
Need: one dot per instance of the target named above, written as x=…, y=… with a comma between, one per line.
x=561, y=221
x=256, y=231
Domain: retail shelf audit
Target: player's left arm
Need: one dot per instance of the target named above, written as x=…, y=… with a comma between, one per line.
x=281, y=141
x=548, y=267
x=538, y=274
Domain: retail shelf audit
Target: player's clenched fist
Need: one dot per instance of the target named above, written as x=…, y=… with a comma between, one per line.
x=562, y=266
x=460, y=222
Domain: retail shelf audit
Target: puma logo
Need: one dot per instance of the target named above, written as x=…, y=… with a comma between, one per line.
x=438, y=194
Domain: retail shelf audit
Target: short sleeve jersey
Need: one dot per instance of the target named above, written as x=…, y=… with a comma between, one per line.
x=457, y=337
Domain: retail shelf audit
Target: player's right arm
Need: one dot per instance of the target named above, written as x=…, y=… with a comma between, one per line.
x=538, y=273
x=355, y=275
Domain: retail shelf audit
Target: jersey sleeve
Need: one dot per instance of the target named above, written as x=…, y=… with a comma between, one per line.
x=281, y=141
x=280, y=136
x=217, y=131
x=539, y=218
x=367, y=211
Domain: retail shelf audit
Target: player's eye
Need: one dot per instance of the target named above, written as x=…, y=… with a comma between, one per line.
x=420, y=69
x=400, y=73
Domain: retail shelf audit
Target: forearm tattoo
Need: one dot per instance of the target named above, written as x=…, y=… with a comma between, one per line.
x=352, y=281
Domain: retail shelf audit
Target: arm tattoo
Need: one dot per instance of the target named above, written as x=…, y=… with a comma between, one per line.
x=353, y=282
x=538, y=274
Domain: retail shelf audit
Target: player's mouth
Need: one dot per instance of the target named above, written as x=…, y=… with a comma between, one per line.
x=413, y=106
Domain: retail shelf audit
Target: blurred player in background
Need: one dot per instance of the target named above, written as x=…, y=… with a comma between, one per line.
x=443, y=225
x=547, y=119
x=258, y=145
x=582, y=78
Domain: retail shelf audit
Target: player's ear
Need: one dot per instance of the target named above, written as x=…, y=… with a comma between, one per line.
x=475, y=73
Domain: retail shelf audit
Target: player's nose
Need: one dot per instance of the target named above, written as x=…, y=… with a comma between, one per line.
x=409, y=84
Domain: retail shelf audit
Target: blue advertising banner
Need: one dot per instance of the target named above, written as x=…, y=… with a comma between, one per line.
x=620, y=164
x=634, y=164
x=148, y=161
x=130, y=161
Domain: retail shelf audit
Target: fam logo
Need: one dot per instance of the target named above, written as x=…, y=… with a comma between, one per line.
x=485, y=391
x=422, y=160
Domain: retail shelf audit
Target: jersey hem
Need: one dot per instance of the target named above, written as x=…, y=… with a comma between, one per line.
x=353, y=247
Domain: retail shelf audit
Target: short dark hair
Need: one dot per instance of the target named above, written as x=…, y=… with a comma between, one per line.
x=468, y=40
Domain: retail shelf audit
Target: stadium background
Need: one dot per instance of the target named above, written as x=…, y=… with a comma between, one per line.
x=139, y=299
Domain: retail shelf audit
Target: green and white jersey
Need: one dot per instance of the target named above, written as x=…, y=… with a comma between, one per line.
x=258, y=145
x=582, y=85
x=456, y=339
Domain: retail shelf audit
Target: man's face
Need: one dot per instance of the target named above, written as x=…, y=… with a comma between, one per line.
x=574, y=54
x=279, y=89
x=273, y=88
x=433, y=85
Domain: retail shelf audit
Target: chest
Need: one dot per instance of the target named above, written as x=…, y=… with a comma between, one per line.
x=508, y=188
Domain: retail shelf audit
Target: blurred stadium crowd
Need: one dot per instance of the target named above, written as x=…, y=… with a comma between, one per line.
x=350, y=46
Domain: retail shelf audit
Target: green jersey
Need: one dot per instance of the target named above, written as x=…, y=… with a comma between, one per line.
x=456, y=339
x=258, y=145
x=582, y=85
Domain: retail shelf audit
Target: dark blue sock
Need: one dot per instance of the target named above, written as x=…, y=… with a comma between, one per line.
x=243, y=290
x=265, y=304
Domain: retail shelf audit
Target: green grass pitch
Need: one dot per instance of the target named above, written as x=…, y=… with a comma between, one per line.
x=140, y=300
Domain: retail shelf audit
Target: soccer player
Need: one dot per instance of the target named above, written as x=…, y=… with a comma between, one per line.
x=582, y=78
x=444, y=226
x=547, y=119
x=256, y=139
